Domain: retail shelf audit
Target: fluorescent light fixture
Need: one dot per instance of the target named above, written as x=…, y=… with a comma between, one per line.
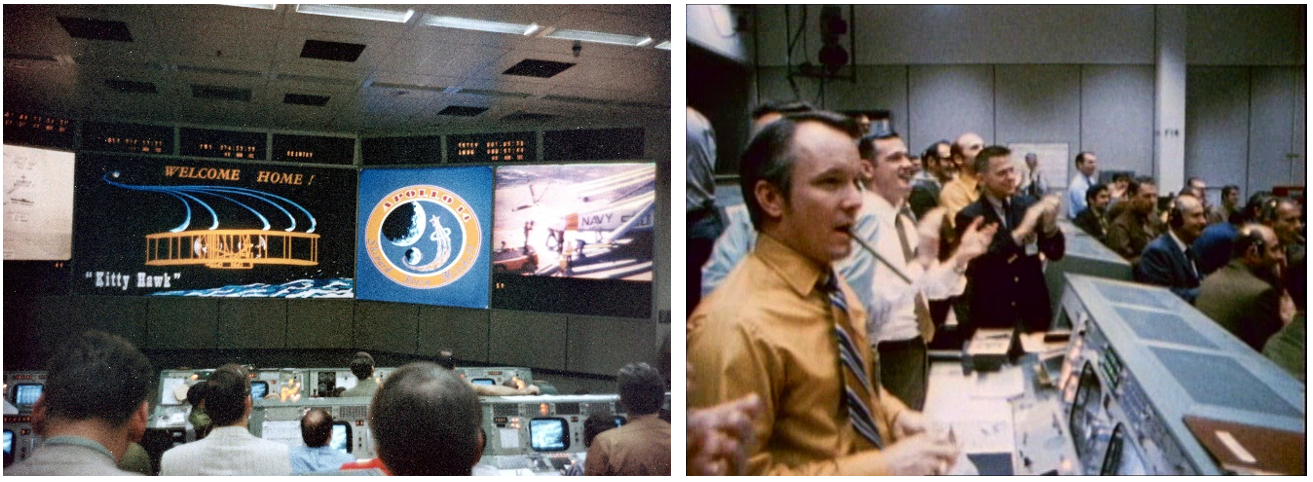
x=600, y=37
x=480, y=25
x=261, y=6
x=664, y=45
x=361, y=13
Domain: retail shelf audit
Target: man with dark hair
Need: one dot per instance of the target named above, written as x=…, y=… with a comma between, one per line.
x=642, y=446
x=317, y=455
x=1246, y=296
x=513, y=386
x=425, y=421
x=1169, y=260
x=1086, y=164
x=362, y=366
x=1132, y=230
x=1230, y=205
x=93, y=406
x=771, y=110
x=230, y=449
x=1093, y=220
x=779, y=323
x=964, y=189
x=938, y=170
x=1007, y=282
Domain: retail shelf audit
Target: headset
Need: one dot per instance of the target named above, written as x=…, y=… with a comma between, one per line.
x=1253, y=238
x=1174, y=217
x=1269, y=212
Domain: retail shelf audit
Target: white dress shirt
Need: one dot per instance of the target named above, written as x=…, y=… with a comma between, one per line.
x=891, y=302
x=1076, y=194
x=227, y=451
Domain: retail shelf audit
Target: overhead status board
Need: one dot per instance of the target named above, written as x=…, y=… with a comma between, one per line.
x=492, y=148
x=37, y=130
x=316, y=149
x=121, y=137
x=222, y=144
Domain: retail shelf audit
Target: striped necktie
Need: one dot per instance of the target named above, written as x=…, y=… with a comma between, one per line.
x=857, y=385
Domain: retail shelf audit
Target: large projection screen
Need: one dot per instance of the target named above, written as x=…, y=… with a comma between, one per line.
x=38, y=204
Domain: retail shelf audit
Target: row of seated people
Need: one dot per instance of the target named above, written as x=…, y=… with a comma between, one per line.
x=1245, y=268
x=424, y=420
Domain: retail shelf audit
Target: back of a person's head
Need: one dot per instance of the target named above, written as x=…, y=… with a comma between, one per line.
x=196, y=394
x=95, y=375
x=226, y=393
x=362, y=365
x=446, y=359
x=597, y=423
x=425, y=421
x=641, y=388
x=782, y=107
x=317, y=428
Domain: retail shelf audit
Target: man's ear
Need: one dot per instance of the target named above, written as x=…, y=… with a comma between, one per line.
x=868, y=169
x=137, y=424
x=771, y=200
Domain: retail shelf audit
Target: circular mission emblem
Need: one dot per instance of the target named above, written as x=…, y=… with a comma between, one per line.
x=423, y=236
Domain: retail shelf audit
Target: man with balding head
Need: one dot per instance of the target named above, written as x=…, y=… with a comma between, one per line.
x=1246, y=296
x=425, y=421
x=317, y=455
x=1170, y=260
x=962, y=190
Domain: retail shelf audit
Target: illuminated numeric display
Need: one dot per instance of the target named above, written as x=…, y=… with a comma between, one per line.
x=134, y=138
x=492, y=148
x=37, y=130
x=316, y=149
x=222, y=144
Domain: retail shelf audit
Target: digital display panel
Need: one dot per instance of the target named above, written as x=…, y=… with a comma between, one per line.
x=37, y=130
x=224, y=144
x=134, y=138
x=593, y=144
x=483, y=381
x=259, y=390
x=423, y=235
x=38, y=204
x=401, y=150
x=492, y=148
x=575, y=238
x=26, y=394
x=548, y=434
x=341, y=440
x=316, y=149
x=150, y=226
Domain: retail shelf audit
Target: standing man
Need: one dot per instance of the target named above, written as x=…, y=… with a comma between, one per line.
x=641, y=446
x=899, y=321
x=1086, y=164
x=962, y=190
x=230, y=449
x=704, y=222
x=92, y=408
x=1132, y=230
x=1007, y=282
x=785, y=327
x=939, y=170
x=1034, y=185
x=1245, y=297
x=1169, y=260
x=1093, y=220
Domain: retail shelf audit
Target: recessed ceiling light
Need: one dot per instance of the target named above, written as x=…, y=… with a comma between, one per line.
x=361, y=13
x=664, y=45
x=261, y=6
x=480, y=25
x=600, y=37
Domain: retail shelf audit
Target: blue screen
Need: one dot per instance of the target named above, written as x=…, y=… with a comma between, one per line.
x=27, y=393
x=548, y=434
x=9, y=442
x=619, y=421
x=341, y=441
x=483, y=381
x=259, y=390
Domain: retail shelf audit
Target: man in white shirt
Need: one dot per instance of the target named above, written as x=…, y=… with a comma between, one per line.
x=230, y=449
x=898, y=319
x=1086, y=164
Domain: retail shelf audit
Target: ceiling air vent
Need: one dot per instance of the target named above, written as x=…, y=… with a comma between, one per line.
x=92, y=29
x=336, y=51
x=131, y=86
x=538, y=68
x=462, y=111
x=403, y=87
x=305, y=99
x=220, y=93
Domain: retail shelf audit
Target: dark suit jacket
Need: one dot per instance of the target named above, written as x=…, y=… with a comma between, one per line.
x=1244, y=304
x=1090, y=222
x=1163, y=263
x=1007, y=286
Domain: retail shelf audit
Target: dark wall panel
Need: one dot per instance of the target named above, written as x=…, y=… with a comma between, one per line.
x=385, y=326
x=182, y=323
x=524, y=338
x=603, y=345
x=252, y=323
x=463, y=331
x=320, y=324
x=117, y=315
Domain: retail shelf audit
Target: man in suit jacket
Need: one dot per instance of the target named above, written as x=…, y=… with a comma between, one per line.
x=1007, y=282
x=1169, y=260
x=1245, y=297
x=1093, y=220
x=230, y=449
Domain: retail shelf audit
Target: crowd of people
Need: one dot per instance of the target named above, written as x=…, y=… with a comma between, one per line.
x=807, y=346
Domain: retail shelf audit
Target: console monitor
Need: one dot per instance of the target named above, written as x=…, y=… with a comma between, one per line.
x=9, y=447
x=483, y=381
x=620, y=421
x=549, y=434
x=1085, y=411
x=341, y=441
x=26, y=394
x=1123, y=458
x=259, y=390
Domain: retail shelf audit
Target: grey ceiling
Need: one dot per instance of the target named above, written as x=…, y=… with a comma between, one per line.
x=405, y=75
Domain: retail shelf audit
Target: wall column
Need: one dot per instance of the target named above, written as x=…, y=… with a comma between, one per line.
x=1169, y=97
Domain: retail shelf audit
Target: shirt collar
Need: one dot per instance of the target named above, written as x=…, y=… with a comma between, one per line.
x=802, y=274
x=80, y=442
x=1179, y=244
x=880, y=207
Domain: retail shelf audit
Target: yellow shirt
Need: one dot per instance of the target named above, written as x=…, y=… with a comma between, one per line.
x=959, y=193
x=767, y=330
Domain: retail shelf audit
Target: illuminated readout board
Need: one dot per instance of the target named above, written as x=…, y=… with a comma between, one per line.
x=492, y=148
x=222, y=144
x=134, y=138
x=37, y=130
x=316, y=149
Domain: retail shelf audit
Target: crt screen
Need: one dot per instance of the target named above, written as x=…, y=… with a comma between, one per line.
x=341, y=437
x=619, y=421
x=259, y=390
x=483, y=381
x=9, y=441
x=548, y=434
x=27, y=393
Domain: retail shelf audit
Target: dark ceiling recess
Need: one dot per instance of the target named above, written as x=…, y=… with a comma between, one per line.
x=92, y=29
x=220, y=93
x=462, y=111
x=337, y=51
x=305, y=99
x=131, y=86
x=528, y=116
x=538, y=68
